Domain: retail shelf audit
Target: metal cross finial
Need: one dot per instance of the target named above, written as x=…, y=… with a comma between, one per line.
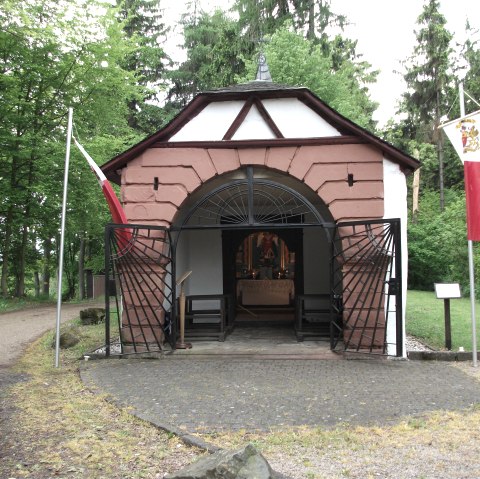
x=263, y=73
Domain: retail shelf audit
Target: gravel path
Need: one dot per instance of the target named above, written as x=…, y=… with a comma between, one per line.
x=19, y=328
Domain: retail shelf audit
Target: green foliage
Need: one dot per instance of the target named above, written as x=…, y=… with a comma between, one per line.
x=142, y=21
x=437, y=243
x=296, y=61
x=430, y=93
x=310, y=18
x=214, y=50
x=428, y=75
x=55, y=55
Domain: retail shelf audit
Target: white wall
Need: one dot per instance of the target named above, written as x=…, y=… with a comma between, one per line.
x=395, y=200
x=201, y=252
x=211, y=123
x=292, y=117
x=296, y=120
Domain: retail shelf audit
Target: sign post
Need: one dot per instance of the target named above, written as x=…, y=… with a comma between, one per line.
x=447, y=291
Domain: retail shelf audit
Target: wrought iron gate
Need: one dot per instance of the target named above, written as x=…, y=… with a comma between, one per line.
x=140, y=274
x=366, y=279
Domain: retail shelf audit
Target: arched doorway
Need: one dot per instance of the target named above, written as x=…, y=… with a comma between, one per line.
x=364, y=285
x=246, y=235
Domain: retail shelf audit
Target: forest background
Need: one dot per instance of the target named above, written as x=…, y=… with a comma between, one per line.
x=109, y=63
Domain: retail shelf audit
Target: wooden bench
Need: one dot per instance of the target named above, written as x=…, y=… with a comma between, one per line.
x=316, y=317
x=207, y=316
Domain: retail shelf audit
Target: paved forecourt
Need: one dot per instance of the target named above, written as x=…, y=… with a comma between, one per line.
x=223, y=393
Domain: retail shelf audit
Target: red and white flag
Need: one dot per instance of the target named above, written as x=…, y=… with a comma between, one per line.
x=465, y=137
x=116, y=210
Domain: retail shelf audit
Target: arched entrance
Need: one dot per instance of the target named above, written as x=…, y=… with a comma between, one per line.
x=347, y=275
x=246, y=235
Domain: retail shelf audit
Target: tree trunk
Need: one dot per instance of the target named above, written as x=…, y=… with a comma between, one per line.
x=6, y=250
x=36, y=279
x=81, y=269
x=47, y=251
x=311, y=20
x=20, y=286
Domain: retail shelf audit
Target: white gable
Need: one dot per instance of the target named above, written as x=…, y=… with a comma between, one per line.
x=253, y=127
x=296, y=120
x=292, y=117
x=211, y=123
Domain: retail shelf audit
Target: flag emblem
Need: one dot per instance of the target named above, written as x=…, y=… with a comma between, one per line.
x=469, y=135
x=464, y=135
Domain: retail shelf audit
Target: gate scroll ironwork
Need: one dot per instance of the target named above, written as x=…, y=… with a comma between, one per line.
x=140, y=268
x=366, y=279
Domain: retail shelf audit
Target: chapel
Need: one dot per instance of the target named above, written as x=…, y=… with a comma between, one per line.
x=260, y=202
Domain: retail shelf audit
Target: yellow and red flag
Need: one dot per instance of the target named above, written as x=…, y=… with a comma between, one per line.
x=464, y=135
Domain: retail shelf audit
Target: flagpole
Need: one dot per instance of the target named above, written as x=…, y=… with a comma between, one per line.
x=62, y=236
x=471, y=269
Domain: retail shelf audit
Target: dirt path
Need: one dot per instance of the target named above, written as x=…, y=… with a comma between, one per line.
x=19, y=328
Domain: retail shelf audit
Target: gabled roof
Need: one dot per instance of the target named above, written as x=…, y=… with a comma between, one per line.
x=250, y=99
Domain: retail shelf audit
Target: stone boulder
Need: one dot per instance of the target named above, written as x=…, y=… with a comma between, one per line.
x=246, y=463
x=68, y=338
x=92, y=316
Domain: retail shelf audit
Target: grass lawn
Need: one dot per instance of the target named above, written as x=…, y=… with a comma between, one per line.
x=426, y=320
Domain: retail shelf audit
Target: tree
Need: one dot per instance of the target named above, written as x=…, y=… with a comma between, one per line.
x=311, y=18
x=434, y=254
x=429, y=83
x=215, y=52
x=52, y=56
x=142, y=21
x=471, y=57
x=295, y=61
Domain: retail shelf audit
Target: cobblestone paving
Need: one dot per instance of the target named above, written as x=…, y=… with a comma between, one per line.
x=229, y=394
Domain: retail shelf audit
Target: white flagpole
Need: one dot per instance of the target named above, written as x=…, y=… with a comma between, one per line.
x=470, y=258
x=62, y=236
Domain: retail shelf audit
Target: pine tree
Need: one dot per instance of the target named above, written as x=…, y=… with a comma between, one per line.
x=215, y=52
x=429, y=80
x=143, y=23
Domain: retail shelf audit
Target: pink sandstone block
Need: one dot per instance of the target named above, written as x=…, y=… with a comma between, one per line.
x=344, y=210
x=224, y=160
x=365, y=338
x=252, y=156
x=320, y=173
x=280, y=158
x=309, y=155
x=197, y=158
x=137, y=194
x=136, y=161
x=175, y=194
x=168, y=175
x=139, y=298
x=366, y=171
x=306, y=156
x=340, y=190
x=142, y=335
x=138, y=212
x=147, y=317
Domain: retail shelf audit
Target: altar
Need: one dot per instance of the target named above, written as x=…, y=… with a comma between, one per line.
x=265, y=292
